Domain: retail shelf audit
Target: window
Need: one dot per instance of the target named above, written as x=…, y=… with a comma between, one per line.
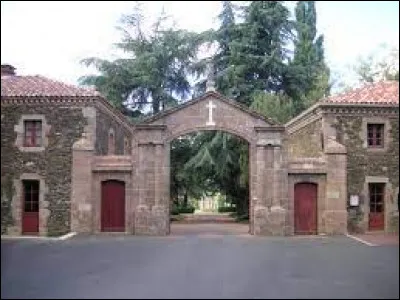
x=126, y=146
x=33, y=133
x=375, y=134
x=111, y=142
x=376, y=196
x=31, y=195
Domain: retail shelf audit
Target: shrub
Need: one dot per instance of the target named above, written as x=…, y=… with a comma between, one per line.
x=242, y=218
x=224, y=209
x=186, y=210
x=174, y=211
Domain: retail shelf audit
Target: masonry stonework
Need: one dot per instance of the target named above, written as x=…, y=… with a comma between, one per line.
x=105, y=122
x=53, y=164
x=325, y=145
x=363, y=162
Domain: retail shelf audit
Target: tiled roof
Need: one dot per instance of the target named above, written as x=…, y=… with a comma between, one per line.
x=383, y=92
x=38, y=86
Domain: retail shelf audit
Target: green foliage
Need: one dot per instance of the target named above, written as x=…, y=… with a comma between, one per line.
x=381, y=64
x=307, y=76
x=156, y=68
x=279, y=106
x=225, y=209
x=252, y=65
x=186, y=210
x=374, y=68
x=176, y=210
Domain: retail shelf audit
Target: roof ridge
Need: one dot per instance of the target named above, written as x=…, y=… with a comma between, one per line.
x=378, y=92
x=39, y=85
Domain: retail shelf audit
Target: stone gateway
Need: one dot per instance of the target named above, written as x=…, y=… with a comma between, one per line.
x=70, y=162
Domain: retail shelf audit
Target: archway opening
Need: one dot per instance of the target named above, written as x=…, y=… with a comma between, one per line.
x=209, y=183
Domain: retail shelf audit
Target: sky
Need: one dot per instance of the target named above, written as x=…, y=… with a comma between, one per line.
x=51, y=38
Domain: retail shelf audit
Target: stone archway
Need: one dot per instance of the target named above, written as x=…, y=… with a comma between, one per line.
x=268, y=164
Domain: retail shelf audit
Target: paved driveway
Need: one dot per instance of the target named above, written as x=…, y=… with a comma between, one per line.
x=198, y=266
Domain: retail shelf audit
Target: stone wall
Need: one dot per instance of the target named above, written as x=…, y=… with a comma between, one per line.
x=267, y=179
x=306, y=141
x=53, y=164
x=363, y=162
x=105, y=122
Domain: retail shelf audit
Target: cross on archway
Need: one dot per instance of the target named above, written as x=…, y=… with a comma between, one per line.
x=210, y=107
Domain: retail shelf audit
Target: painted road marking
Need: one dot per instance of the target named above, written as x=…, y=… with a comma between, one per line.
x=32, y=237
x=360, y=240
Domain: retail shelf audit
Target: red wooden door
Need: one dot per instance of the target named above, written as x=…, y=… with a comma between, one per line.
x=112, y=206
x=376, y=206
x=305, y=208
x=30, y=212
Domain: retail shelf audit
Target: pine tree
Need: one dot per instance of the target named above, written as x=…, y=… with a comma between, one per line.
x=307, y=77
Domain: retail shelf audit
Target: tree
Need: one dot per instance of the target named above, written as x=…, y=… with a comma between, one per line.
x=259, y=52
x=307, y=76
x=378, y=66
x=156, y=68
x=279, y=106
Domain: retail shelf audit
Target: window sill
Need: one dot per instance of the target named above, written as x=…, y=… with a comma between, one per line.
x=31, y=149
x=372, y=149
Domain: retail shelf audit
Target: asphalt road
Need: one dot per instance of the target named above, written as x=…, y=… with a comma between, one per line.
x=198, y=266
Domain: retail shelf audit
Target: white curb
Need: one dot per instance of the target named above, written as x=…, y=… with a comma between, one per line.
x=30, y=237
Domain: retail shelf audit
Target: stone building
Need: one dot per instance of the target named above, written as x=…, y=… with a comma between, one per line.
x=42, y=123
x=70, y=162
x=366, y=122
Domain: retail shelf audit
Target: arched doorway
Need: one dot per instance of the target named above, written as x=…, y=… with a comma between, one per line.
x=112, y=206
x=209, y=183
x=305, y=208
x=267, y=162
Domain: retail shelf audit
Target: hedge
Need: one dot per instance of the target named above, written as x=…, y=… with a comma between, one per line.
x=224, y=209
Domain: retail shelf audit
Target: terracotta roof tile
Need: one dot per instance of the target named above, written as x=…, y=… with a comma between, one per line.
x=383, y=92
x=39, y=86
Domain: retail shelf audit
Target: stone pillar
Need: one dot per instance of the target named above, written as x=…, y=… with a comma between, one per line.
x=335, y=214
x=152, y=213
x=143, y=210
x=258, y=196
x=160, y=211
x=82, y=212
x=271, y=210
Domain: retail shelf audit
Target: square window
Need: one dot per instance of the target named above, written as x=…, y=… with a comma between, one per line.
x=32, y=133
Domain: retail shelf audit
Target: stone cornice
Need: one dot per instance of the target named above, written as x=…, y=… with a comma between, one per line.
x=307, y=119
x=106, y=107
x=97, y=101
x=316, y=112
x=208, y=94
x=335, y=109
x=150, y=127
x=58, y=100
x=269, y=128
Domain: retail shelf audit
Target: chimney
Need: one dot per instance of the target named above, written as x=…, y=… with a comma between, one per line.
x=7, y=70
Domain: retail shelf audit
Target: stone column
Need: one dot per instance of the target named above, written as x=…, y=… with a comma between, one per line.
x=258, y=197
x=143, y=210
x=335, y=214
x=152, y=213
x=271, y=213
x=82, y=212
x=160, y=211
